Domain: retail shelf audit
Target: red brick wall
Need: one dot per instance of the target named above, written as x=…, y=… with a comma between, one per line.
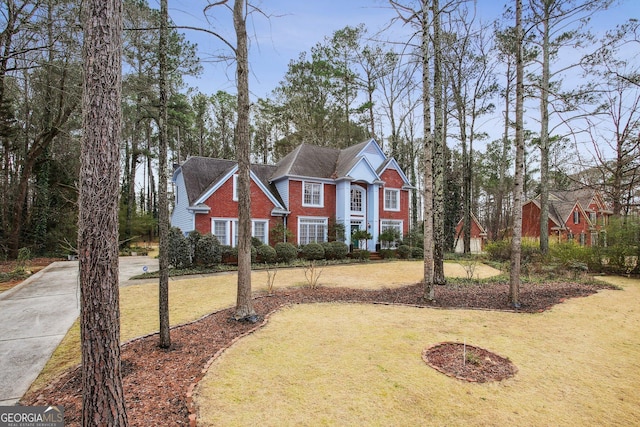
x=297, y=210
x=393, y=180
x=223, y=206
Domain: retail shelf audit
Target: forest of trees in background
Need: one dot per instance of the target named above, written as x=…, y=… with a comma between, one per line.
x=352, y=85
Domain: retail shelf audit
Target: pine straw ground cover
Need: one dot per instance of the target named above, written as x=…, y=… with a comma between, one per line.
x=359, y=361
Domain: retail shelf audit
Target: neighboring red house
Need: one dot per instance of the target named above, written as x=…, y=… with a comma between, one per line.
x=358, y=187
x=579, y=215
x=478, y=236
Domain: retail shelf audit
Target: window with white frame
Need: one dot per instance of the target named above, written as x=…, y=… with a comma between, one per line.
x=235, y=187
x=576, y=217
x=260, y=231
x=220, y=229
x=386, y=224
x=357, y=199
x=224, y=229
x=312, y=194
x=312, y=230
x=391, y=199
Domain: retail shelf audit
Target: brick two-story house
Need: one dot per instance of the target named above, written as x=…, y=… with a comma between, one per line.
x=579, y=215
x=358, y=187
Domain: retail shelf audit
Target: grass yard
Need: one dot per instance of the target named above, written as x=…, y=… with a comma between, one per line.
x=192, y=298
x=579, y=364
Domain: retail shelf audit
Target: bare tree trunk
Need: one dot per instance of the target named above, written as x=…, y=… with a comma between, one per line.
x=516, y=239
x=102, y=394
x=244, y=306
x=163, y=207
x=429, y=294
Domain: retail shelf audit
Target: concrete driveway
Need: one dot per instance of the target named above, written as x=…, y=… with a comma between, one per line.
x=36, y=315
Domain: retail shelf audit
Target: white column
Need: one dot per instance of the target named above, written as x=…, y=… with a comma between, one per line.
x=343, y=207
x=373, y=214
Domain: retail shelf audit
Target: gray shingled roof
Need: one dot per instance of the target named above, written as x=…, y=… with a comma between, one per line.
x=347, y=158
x=562, y=202
x=308, y=160
x=201, y=173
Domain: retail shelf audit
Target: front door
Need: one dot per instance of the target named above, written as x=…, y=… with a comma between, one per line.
x=355, y=226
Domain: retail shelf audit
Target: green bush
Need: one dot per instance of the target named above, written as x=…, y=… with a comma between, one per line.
x=279, y=234
x=256, y=243
x=387, y=254
x=340, y=249
x=266, y=254
x=389, y=237
x=208, y=251
x=414, y=238
x=500, y=250
x=193, y=238
x=404, y=251
x=362, y=254
x=417, y=253
x=286, y=252
x=328, y=250
x=179, y=249
x=313, y=251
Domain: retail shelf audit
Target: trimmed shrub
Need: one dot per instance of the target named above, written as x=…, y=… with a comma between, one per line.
x=313, y=251
x=328, y=250
x=339, y=249
x=387, y=254
x=179, y=249
x=417, y=253
x=266, y=254
x=192, y=239
x=362, y=254
x=286, y=252
x=208, y=251
x=404, y=251
x=256, y=243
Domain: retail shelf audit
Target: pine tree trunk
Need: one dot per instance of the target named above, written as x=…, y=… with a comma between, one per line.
x=516, y=239
x=438, y=154
x=429, y=294
x=244, y=305
x=163, y=204
x=102, y=393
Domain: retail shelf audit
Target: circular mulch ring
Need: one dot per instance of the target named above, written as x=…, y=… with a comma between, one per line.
x=468, y=363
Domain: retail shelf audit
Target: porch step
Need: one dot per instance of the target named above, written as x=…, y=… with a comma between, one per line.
x=375, y=256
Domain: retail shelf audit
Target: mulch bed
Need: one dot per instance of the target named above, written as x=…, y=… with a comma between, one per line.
x=468, y=363
x=157, y=383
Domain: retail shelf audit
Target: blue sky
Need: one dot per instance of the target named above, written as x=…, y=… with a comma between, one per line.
x=295, y=26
